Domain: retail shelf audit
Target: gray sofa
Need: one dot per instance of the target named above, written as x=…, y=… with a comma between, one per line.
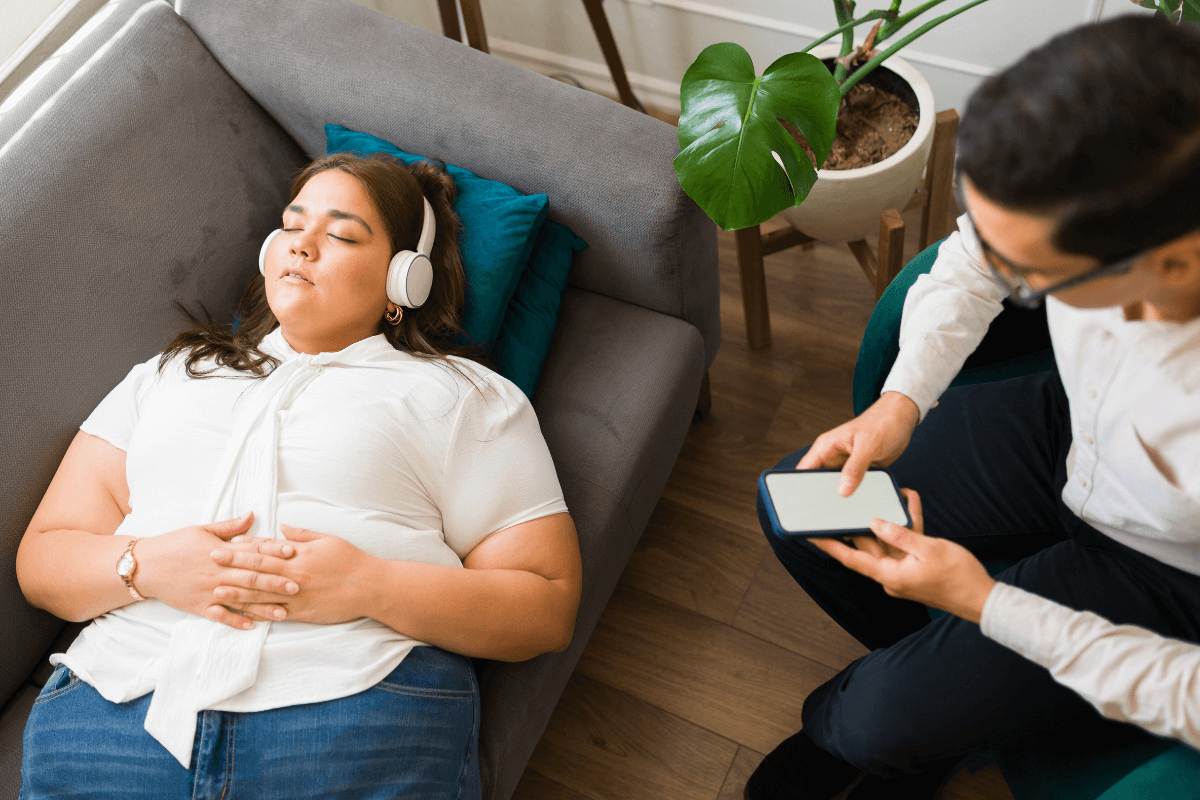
x=155, y=155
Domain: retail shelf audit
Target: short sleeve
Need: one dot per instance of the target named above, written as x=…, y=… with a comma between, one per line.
x=498, y=469
x=117, y=415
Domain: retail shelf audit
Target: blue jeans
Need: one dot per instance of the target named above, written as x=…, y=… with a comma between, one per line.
x=413, y=734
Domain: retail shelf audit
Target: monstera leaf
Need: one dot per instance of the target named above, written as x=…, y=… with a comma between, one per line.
x=738, y=162
x=1174, y=9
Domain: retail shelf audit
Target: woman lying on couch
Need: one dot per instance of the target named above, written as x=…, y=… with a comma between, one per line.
x=316, y=518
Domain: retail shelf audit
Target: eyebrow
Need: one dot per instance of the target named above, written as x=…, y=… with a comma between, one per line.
x=333, y=212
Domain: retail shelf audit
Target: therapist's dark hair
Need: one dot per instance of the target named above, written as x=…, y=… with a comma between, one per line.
x=432, y=331
x=1100, y=124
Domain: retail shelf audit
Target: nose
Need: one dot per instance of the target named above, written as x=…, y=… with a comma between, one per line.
x=303, y=244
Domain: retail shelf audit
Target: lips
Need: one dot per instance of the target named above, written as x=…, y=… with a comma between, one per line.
x=296, y=272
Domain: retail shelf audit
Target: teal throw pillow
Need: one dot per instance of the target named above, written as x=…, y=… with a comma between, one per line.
x=500, y=226
x=533, y=312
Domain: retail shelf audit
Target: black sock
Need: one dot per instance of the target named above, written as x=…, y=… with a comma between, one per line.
x=799, y=770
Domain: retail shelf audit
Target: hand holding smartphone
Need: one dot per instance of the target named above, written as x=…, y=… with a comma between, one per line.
x=806, y=503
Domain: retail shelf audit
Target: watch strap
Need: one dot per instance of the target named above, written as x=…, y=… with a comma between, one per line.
x=128, y=577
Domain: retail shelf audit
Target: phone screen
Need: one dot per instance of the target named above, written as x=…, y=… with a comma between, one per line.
x=808, y=501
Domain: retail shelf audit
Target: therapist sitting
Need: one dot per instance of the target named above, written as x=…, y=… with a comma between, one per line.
x=1080, y=177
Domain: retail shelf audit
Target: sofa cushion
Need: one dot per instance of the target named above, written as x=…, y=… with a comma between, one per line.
x=606, y=167
x=12, y=726
x=532, y=314
x=500, y=226
x=154, y=177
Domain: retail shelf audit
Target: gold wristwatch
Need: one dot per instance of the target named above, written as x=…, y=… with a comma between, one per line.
x=127, y=566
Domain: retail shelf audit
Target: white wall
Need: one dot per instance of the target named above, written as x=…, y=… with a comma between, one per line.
x=658, y=39
x=18, y=19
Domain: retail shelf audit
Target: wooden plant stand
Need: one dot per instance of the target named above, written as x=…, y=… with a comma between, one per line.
x=937, y=220
x=477, y=38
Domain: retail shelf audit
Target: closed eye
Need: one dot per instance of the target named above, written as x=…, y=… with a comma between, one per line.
x=342, y=239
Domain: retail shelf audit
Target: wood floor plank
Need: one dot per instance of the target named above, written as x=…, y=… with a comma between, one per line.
x=608, y=745
x=987, y=784
x=776, y=609
x=744, y=764
x=535, y=786
x=695, y=561
x=715, y=676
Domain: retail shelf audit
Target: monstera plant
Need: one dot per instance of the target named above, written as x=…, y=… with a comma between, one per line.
x=738, y=161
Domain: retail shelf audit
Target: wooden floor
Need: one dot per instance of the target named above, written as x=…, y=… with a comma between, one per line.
x=707, y=649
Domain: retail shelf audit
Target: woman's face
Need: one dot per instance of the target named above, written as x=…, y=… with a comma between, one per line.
x=326, y=273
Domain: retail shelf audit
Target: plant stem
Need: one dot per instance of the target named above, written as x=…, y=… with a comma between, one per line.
x=854, y=23
x=893, y=26
x=870, y=66
x=844, y=10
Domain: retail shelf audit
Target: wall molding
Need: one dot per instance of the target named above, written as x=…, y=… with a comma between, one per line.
x=594, y=75
x=810, y=33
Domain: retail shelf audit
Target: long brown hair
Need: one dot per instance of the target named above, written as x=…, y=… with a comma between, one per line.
x=432, y=331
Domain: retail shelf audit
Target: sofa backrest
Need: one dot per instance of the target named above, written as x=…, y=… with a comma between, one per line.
x=312, y=62
x=148, y=176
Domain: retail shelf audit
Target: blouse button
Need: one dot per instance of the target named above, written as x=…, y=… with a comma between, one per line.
x=1086, y=439
x=1082, y=480
x=1090, y=391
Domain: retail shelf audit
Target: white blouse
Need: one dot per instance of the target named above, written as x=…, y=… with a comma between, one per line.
x=406, y=458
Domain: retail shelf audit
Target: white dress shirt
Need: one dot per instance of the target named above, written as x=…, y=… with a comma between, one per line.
x=1133, y=468
x=404, y=457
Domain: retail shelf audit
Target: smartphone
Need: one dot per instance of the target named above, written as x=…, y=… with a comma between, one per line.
x=806, y=502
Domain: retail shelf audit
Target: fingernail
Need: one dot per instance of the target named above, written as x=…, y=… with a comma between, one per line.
x=292, y=588
x=288, y=550
x=279, y=613
x=247, y=625
x=238, y=539
x=221, y=594
x=217, y=555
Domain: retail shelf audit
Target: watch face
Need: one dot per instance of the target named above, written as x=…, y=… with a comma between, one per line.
x=125, y=565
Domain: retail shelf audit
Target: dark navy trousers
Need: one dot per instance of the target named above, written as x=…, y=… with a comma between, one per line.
x=989, y=464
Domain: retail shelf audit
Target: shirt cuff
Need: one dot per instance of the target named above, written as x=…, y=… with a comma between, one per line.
x=908, y=380
x=1025, y=622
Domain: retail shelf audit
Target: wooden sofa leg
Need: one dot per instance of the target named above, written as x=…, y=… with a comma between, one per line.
x=449, y=11
x=704, y=401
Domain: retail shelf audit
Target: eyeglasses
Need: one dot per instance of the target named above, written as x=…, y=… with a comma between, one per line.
x=1019, y=290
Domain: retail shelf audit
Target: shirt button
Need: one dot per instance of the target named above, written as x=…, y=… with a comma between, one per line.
x=1086, y=439
x=1082, y=480
x=1090, y=391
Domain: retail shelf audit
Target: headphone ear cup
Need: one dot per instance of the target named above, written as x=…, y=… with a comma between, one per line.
x=409, y=279
x=262, y=254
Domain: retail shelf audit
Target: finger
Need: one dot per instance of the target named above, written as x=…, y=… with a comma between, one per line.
x=249, y=559
x=279, y=548
x=898, y=537
x=914, y=510
x=264, y=605
x=224, y=616
x=869, y=544
x=227, y=528
x=249, y=579
x=860, y=562
x=826, y=451
x=853, y=471
x=299, y=534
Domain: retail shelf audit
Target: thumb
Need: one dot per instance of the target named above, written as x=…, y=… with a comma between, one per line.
x=228, y=528
x=298, y=534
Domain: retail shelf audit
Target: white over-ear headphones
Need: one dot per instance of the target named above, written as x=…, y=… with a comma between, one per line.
x=410, y=274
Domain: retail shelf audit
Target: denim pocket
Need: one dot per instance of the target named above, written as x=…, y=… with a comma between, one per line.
x=62, y=680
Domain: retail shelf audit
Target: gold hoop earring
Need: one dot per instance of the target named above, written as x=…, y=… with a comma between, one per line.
x=394, y=316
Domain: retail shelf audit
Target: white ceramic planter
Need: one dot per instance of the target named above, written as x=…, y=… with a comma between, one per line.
x=844, y=205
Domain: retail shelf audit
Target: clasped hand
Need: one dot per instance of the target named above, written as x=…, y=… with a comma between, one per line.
x=910, y=565
x=326, y=571
x=218, y=572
